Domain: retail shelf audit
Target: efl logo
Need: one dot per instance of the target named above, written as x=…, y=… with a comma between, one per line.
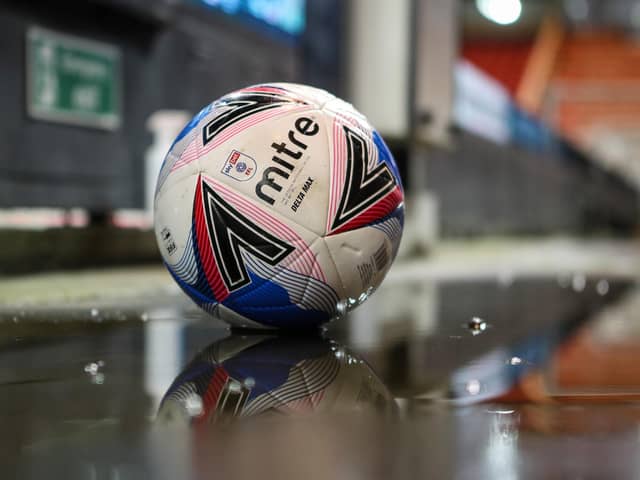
x=239, y=166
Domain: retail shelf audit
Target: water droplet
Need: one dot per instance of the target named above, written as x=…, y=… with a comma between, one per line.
x=94, y=312
x=515, y=361
x=15, y=319
x=473, y=387
x=235, y=387
x=249, y=382
x=193, y=405
x=602, y=287
x=476, y=326
x=91, y=368
x=501, y=412
x=144, y=316
x=578, y=282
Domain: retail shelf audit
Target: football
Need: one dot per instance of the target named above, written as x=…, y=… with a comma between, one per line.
x=278, y=206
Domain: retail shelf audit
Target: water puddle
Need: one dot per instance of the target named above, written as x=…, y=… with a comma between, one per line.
x=485, y=365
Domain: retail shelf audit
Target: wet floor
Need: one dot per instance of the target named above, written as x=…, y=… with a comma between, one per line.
x=516, y=378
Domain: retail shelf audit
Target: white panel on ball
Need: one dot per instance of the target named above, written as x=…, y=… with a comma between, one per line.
x=300, y=157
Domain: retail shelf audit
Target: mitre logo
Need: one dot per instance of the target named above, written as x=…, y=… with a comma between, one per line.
x=239, y=166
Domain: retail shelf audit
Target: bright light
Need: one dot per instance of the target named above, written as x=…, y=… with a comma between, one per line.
x=503, y=12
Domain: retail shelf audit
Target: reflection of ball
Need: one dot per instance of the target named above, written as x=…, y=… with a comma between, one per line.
x=277, y=205
x=245, y=376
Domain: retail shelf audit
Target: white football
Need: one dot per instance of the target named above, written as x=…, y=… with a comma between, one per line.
x=278, y=206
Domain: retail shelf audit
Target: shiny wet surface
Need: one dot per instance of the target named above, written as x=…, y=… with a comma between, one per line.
x=521, y=378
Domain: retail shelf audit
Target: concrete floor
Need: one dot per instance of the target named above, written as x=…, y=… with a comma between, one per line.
x=498, y=258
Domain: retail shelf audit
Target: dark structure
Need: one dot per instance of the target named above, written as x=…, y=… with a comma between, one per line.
x=173, y=54
x=484, y=188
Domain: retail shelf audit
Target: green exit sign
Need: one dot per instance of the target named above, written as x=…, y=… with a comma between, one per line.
x=72, y=80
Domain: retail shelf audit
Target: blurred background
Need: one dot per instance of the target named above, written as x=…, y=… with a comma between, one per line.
x=509, y=118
